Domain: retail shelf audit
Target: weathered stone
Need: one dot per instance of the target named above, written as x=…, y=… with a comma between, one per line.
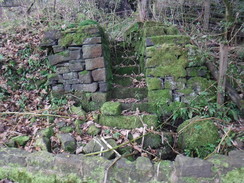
x=85, y=77
x=56, y=59
x=86, y=87
x=160, y=96
x=70, y=75
x=78, y=111
x=58, y=88
x=99, y=75
x=152, y=140
x=164, y=170
x=50, y=38
x=96, y=145
x=94, y=63
x=62, y=70
x=68, y=142
x=92, y=40
x=192, y=167
x=92, y=51
x=154, y=83
x=99, y=97
x=103, y=86
x=47, y=132
x=12, y=156
x=111, y=108
x=197, y=133
x=128, y=122
x=236, y=158
x=170, y=83
x=57, y=48
x=66, y=129
x=43, y=143
x=93, y=130
x=149, y=42
x=67, y=87
x=70, y=82
x=76, y=65
x=75, y=54
x=144, y=167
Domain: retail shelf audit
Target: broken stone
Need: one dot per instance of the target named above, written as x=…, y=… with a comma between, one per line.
x=57, y=48
x=93, y=130
x=56, y=59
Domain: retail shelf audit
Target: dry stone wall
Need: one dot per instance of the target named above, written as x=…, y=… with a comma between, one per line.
x=44, y=167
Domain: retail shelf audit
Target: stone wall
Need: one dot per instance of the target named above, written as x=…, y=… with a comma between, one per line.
x=81, y=58
x=43, y=167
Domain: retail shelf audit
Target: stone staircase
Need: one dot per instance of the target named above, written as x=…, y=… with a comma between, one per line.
x=129, y=84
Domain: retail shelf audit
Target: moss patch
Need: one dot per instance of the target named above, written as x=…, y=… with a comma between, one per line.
x=111, y=108
x=196, y=133
x=128, y=122
x=234, y=176
x=170, y=39
x=154, y=83
x=160, y=96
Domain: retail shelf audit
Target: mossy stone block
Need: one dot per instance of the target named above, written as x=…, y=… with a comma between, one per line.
x=93, y=130
x=111, y=108
x=122, y=93
x=201, y=84
x=170, y=39
x=78, y=111
x=154, y=83
x=20, y=140
x=47, y=132
x=128, y=122
x=160, y=96
x=197, y=132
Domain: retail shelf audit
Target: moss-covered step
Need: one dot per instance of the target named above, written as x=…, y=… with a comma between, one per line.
x=126, y=70
x=141, y=106
x=125, y=81
x=122, y=93
x=128, y=122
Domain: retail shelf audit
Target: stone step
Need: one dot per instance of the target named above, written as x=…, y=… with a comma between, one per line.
x=128, y=80
x=123, y=93
x=121, y=70
x=128, y=121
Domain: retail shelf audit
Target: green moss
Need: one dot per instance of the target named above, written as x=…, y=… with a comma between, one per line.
x=196, y=133
x=87, y=22
x=234, y=176
x=22, y=175
x=84, y=72
x=126, y=70
x=186, y=91
x=201, y=84
x=160, y=96
x=128, y=122
x=64, y=53
x=111, y=108
x=170, y=39
x=78, y=111
x=67, y=129
x=47, y=132
x=93, y=130
x=154, y=31
x=20, y=140
x=122, y=81
x=154, y=83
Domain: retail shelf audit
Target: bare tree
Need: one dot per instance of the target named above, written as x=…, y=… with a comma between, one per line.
x=143, y=10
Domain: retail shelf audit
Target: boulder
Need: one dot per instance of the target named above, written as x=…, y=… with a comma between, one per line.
x=68, y=142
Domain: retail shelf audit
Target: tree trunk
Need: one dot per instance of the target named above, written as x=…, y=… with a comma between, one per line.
x=206, y=14
x=229, y=17
x=1, y=14
x=142, y=8
x=222, y=73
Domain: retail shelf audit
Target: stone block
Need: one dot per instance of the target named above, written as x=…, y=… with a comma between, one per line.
x=57, y=48
x=75, y=54
x=50, y=38
x=85, y=77
x=144, y=167
x=92, y=51
x=192, y=167
x=58, y=88
x=95, y=63
x=99, y=75
x=70, y=75
x=76, y=65
x=170, y=83
x=68, y=142
x=154, y=83
x=111, y=108
x=99, y=97
x=55, y=59
x=71, y=81
x=160, y=96
x=67, y=88
x=62, y=70
x=128, y=122
x=92, y=40
x=86, y=87
x=103, y=87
